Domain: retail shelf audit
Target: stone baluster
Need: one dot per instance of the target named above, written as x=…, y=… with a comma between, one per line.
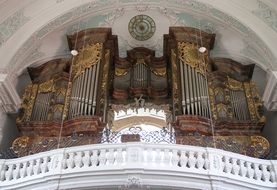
x=257, y=172
x=175, y=158
x=78, y=159
x=273, y=174
x=86, y=158
x=29, y=168
x=57, y=162
x=158, y=157
x=119, y=156
x=191, y=160
x=16, y=171
x=235, y=167
x=8, y=173
x=265, y=173
x=250, y=171
x=242, y=168
x=94, y=158
x=2, y=170
x=215, y=163
x=200, y=160
x=166, y=159
x=44, y=164
x=70, y=160
x=22, y=171
x=149, y=157
x=183, y=159
x=37, y=169
x=227, y=165
x=102, y=157
x=110, y=157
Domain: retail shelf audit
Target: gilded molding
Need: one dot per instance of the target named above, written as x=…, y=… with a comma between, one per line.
x=19, y=143
x=161, y=72
x=235, y=85
x=46, y=87
x=212, y=101
x=28, y=101
x=67, y=101
x=119, y=72
x=259, y=141
x=250, y=102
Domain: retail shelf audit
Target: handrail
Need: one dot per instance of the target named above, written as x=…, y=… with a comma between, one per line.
x=171, y=158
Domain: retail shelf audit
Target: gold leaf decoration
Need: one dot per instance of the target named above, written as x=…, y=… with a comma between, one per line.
x=121, y=72
x=89, y=55
x=188, y=54
x=46, y=86
x=234, y=84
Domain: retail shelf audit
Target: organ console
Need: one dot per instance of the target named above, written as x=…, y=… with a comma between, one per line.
x=212, y=100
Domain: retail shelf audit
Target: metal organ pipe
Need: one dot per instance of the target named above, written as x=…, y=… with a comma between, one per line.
x=92, y=79
x=95, y=88
x=194, y=91
x=187, y=88
x=183, y=88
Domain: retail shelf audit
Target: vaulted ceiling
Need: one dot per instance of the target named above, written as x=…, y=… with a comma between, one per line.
x=34, y=31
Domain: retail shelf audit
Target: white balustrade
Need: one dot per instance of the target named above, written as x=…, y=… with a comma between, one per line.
x=172, y=160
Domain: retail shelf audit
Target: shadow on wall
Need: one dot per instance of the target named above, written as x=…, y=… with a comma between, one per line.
x=8, y=130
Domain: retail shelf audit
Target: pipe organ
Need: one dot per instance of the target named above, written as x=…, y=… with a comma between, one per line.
x=143, y=74
x=212, y=100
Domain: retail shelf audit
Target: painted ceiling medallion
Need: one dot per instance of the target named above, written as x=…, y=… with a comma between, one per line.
x=142, y=27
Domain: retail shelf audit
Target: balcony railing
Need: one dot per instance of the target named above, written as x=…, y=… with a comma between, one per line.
x=139, y=166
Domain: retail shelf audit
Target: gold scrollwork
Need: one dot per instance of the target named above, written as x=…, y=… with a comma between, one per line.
x=257, y=102
x=20, y=142
x=234, y=84
x=67, y=100
x=188, y=54
x=28, y=101
x=88, y=56
x=212, y=102
x=121, y=72
x=161, y=72
x=254, y=101
x=255, y=140
x=46, y=86
x=259, y=141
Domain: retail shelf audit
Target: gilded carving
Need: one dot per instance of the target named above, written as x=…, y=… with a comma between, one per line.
x=234, y=84
x=188, y=54
x=257, y=102
x=46, y=86
x=250, y=101
x=212, y=102
x=121, y=72
x=88, y=56
x=67, y=101
x=19, y=143
x=28, y=101
x=159, y=71
x=259, y=141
